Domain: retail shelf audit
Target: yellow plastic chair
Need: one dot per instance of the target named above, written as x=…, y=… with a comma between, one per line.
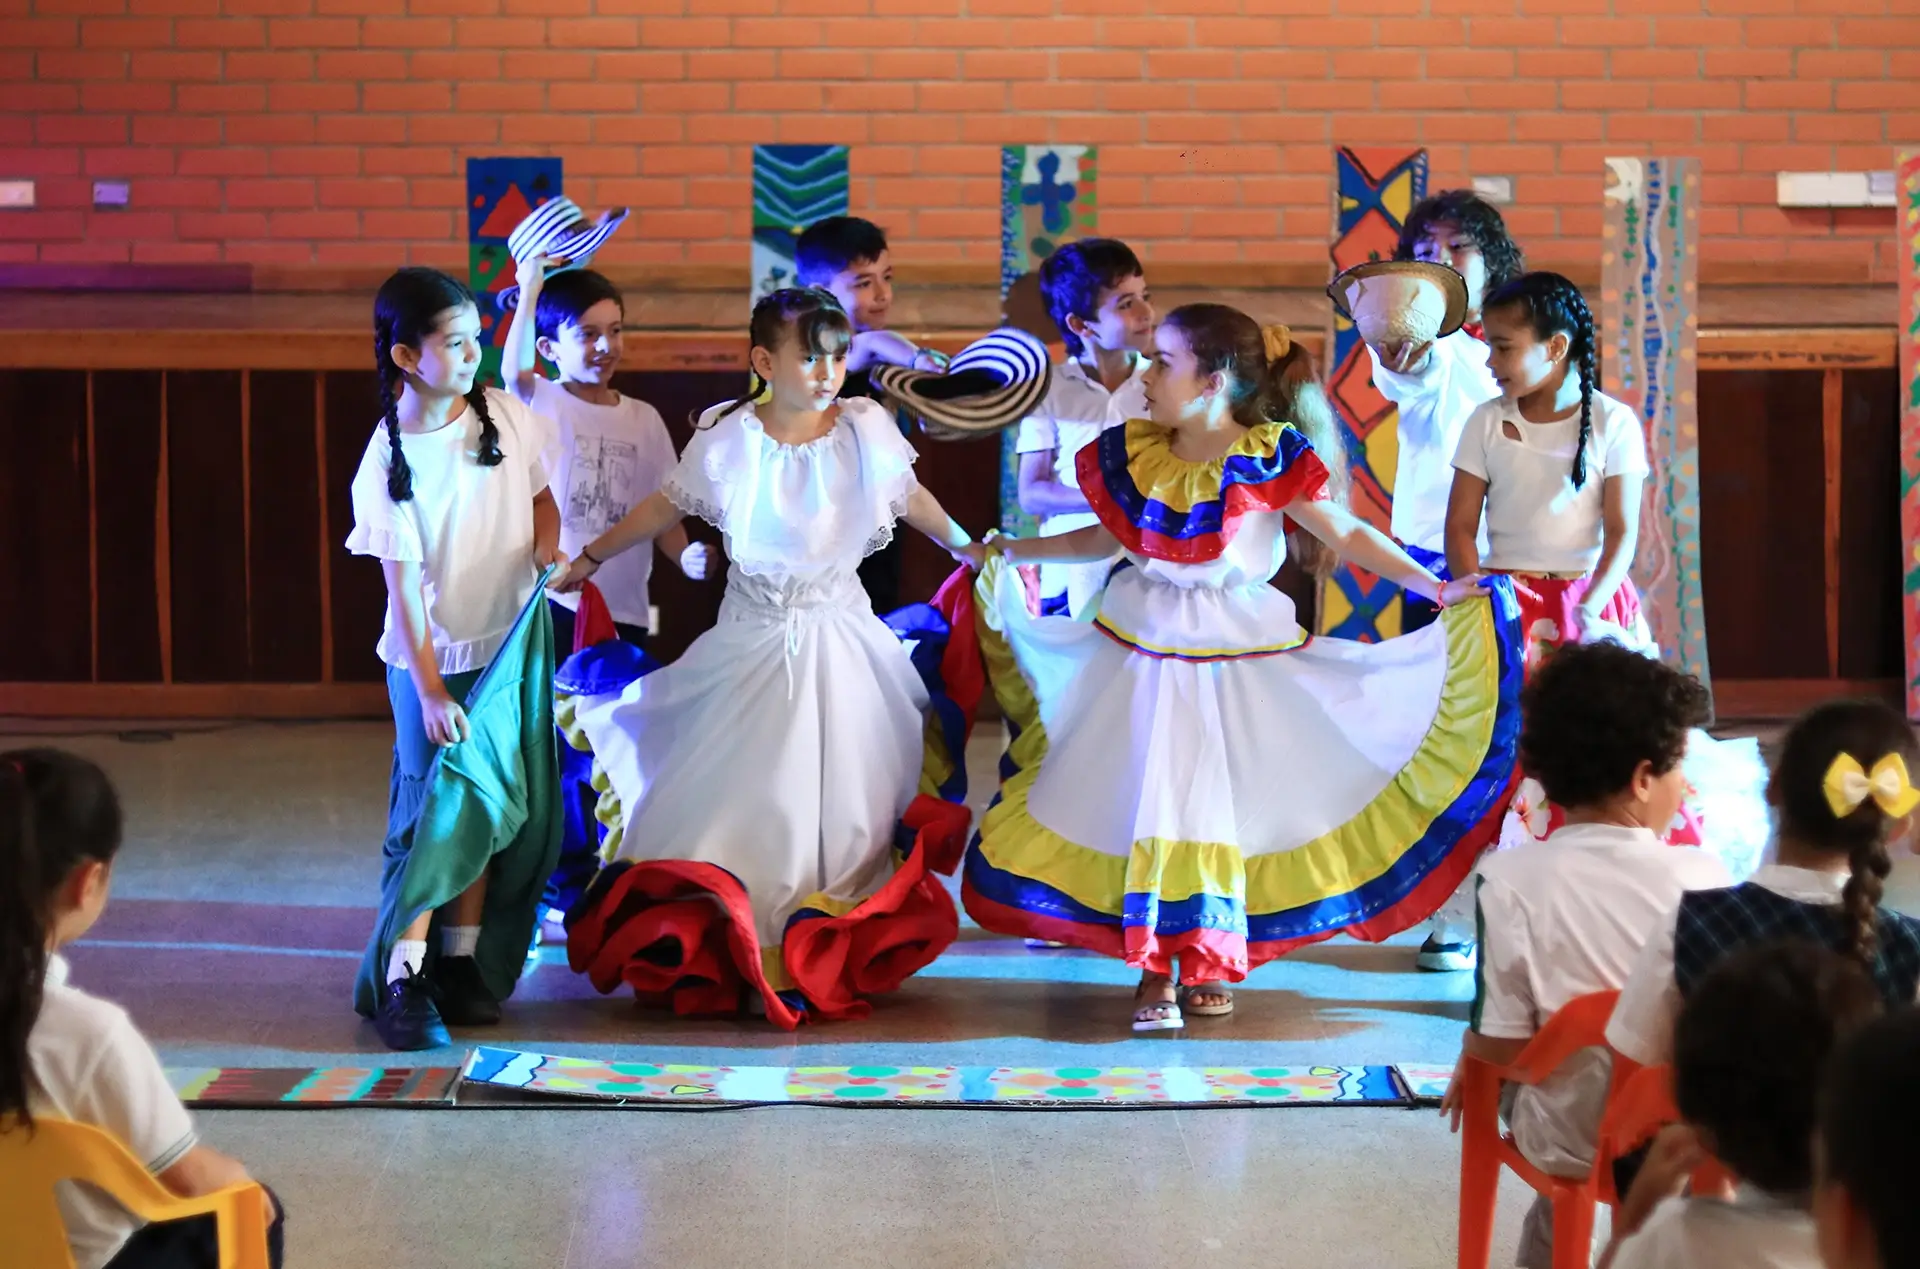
x=32, y=1161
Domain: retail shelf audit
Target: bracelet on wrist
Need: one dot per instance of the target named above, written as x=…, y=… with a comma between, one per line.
x=589, y=557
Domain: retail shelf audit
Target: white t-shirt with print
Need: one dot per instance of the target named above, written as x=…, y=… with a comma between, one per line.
x=1434, y=403
x=605, y=461
x=1536, y=521
x=1752, y=1232
x=1077, y=408
x=91, y=1065
x=469, y=527
x=1561, y=919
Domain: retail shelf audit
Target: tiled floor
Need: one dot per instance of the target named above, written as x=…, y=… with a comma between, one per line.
x=242, y=902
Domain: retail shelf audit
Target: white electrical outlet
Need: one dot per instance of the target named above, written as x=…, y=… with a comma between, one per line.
x=1834, y=189
x=16, y=193
x=1495, y=189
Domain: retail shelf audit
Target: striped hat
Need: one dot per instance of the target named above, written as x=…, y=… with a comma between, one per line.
x=993, y=384
x=559, y=230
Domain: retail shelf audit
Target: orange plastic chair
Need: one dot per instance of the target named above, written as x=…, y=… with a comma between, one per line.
x=1485, y=1149
x=31, y=1161
x=1639, y=1105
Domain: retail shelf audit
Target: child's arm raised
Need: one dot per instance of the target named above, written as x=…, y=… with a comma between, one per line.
x=1076, y=546
x=1360, y=543
x=645, y=522
x=519, y=359
x=1041, y=493
x=1620, y=518
x=925, y=513
x=446, y=722
x=1464, y=506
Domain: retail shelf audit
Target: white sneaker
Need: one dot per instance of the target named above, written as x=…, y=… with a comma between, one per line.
x=1447, y=958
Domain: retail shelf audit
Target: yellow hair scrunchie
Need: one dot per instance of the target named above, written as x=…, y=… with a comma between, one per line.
x=1848, y=785
x=1279, y=341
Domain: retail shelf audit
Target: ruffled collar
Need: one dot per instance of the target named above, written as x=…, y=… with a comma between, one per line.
x=1164, y=507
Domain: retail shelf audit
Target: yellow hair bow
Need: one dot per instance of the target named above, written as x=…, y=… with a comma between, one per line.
x=1278, y=339
x=1848, y=784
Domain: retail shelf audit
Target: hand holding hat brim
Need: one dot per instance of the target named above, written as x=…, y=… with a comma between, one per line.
x=1400, y=302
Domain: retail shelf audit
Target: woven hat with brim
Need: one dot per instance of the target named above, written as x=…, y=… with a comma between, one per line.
x=993, y=384
x=1345, y=289
x=559, y=230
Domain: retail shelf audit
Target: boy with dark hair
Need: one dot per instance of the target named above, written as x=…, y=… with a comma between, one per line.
x=1863, y=1206
x=1750, y=1050
x=1604, y=730
x=1096, y=293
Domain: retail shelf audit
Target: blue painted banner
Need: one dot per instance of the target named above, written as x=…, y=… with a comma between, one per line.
x=793, y=186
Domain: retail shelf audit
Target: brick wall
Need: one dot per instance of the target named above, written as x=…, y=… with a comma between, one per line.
x=333, y=132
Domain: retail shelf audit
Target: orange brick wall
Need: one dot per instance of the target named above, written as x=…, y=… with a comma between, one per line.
x=333, y=132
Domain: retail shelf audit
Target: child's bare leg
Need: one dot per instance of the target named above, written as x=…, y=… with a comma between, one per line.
x=468, y=906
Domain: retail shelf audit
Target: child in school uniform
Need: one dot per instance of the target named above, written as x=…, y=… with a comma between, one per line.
x=1604, y=730
x=1096, y=292
x=1750, y=1051
x=1863, y=1207
x=610, y=452
x=65, y=1054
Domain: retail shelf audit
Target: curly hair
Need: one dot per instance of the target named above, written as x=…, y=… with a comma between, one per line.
x=1594, y=712
x=1474, y=217
x=1749, y=1048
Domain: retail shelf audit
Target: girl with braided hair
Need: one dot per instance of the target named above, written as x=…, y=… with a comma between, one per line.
x=452, y=499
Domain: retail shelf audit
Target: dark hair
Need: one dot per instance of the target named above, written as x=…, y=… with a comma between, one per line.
x=1749, y=1048
x=807, y=313
x=1868, y=731
x=1595, y=711
x=1868, y=1127
x=827, y=247
x=1554, y=306
x=1474, y=217
x=1072, y=279
x=406, y=309
x=57, y=811
x=566, y=297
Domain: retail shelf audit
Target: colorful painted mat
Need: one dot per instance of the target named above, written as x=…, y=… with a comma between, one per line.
x=278, y=1087
x=1038, y=1087
x=1424, y=1084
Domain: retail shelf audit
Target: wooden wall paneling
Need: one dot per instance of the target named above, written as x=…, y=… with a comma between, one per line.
x=283, y=568
x=357, y=593
x=206, y=494
x=1870, y=566
x=45, y=545
x=126, y=487
x=1761, y=523
x=1830, y=417
x=965, y=477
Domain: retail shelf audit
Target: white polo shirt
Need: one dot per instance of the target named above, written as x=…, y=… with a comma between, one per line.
x=1561, y=919
x=91, y=1065
x=1752, y=1232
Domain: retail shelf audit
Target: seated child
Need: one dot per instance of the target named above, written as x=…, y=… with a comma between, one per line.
x=1096, y=292
x=65, y=1054
x=1841, y=791
x=1604, y=729
x=1750, y=1047
x=1863, y=1204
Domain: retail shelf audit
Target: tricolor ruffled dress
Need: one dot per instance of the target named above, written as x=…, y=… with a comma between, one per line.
x=768, y=835
x=1192, y=776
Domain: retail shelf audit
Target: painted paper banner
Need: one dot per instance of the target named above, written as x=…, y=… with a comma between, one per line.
x=1046, y=199
x=1374, y=189
x=291, y=1086
x=500, y=194
x=793, y=186
x=1650, y=326
x=1907, y=220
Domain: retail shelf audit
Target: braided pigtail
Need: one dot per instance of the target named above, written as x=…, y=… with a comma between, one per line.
x=1860, y=900
x=409, y=306
x=1582, y=353
x=399, y=475
x=490, y=454
x=1554, y=306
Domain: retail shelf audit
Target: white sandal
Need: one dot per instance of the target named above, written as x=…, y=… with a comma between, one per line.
x=1170, y=1021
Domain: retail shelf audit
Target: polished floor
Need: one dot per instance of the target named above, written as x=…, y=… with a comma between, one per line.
x=242, y=902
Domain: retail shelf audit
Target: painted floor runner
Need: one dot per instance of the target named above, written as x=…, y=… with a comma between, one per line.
x=536, y=1074
x=1426, y=1085
x=273, y=1088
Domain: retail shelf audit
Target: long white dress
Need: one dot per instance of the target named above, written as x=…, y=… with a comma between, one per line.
x=785, y=745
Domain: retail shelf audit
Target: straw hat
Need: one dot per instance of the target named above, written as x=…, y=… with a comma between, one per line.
x=559, y=230
x=993, y=384
x=1401, y=301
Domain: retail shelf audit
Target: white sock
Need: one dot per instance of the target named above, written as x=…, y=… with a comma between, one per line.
x=409, y=956
x=459, y=940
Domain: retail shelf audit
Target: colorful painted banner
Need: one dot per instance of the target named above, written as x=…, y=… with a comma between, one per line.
x=500, y=194
x=793, y=186
x=1046, y=199
x=1374, y=189
x=242, y=1086
x=1037, y=1087
x=1907, y=218
x=1650, y=326
x=1424, y=1084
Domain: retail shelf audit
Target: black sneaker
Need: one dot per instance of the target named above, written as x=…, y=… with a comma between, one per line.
x=407, y=1019
x=1447, y=958
x=464, y=998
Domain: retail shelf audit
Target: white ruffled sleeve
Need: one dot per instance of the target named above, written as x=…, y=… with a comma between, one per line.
x=887, y=458
x=710, y=465
x=382, y=528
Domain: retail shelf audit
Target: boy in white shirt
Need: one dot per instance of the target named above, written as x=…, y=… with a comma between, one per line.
x=611, y=451
x=1096, y=293
x=1750, y=1049
x=1604, y=729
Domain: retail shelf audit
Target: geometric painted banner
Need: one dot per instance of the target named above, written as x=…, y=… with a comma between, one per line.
x=1650, y=327
x=306, y=1086
x=500, y=194
x=1907, y=223
x=1424, y=1084
x=793, y=186
x=1038, y=1088
x=1047, y=199
x=1374, y=189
